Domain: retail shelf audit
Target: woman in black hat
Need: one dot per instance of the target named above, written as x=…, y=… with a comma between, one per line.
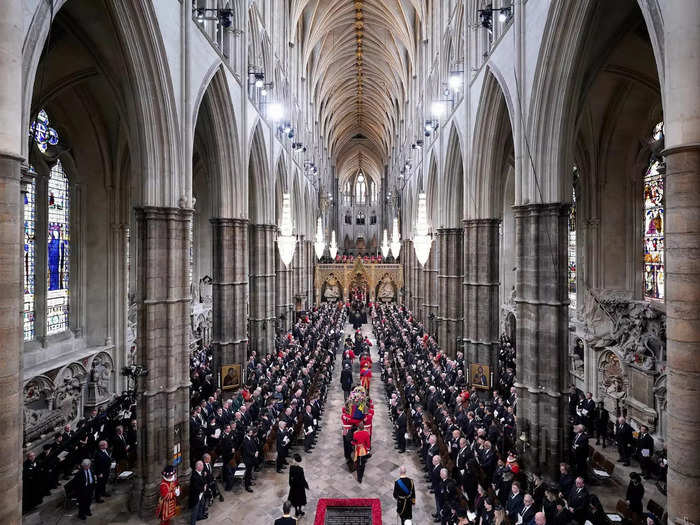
x=297, y=486
x=635, y=494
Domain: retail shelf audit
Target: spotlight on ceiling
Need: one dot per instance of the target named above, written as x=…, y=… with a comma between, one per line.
x=437, y=109
x=287, y=128
x=275, y=112
x=455, y=81
x=504, y=14
x=259, y=80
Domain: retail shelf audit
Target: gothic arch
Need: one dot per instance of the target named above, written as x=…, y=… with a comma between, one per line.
x=492, y=151
x=215, y=119
x=260, y=195
x=143, y=97
x=453, y=186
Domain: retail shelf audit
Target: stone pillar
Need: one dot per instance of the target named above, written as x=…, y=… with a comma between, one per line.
x=229, y=290
x=450, y=297
x=163, y=346
x=309, y=259
x=298, y=274
x=262, y=288
x=11, y=335
x=481, y=292
x=283, y=293
x=405, y=256
x=542, y=330
x=417, y=287
x=430, y=290
x=682, y=142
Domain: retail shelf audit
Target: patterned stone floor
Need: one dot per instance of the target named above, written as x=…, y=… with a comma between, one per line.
x=325, y=468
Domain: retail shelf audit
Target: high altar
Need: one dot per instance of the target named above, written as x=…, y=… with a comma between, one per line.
x=381, y=282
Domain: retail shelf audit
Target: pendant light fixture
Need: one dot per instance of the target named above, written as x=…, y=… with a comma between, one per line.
x=421, y=238
x=385, y=245
x=395, y=239
x=286, y=242
x=320, y=244
x=333, y=248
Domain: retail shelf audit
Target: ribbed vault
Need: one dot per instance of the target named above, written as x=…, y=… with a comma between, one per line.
x=357, y=57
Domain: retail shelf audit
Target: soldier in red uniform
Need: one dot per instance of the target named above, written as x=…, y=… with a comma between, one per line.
x=361, y=442
x=169, y=491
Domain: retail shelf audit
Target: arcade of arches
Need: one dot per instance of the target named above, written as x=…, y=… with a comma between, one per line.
x=158, y=147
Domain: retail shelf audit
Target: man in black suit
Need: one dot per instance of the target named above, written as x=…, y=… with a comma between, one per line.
x=578, y=500
x=198, y=486
x=309, y=429
x=401, y=429
x=624, y=438
x=580, y=450
x=645, y=449
x=103, y=464
x=600, y=423
x=84, y=485
x=210, y=479
x=250, y=454
x=527, y=513
x=282, y=444
x=587, y=409
x=515, y=502
x=346, y=380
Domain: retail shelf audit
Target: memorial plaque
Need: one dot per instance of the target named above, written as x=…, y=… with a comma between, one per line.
x=348, y=516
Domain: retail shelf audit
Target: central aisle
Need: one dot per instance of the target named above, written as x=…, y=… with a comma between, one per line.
x=325, y=468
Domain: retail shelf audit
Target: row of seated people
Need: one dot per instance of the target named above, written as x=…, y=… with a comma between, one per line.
x=112, y=425
x=464, y=437
x=283, y=398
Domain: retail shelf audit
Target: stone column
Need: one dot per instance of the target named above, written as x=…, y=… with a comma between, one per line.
x=417, y=287
x=298, y=273
x=11, y=334
x=405, y=256
x=682, y=130
x=430, y=289
x=309, y=259
x=283, y=293
x=262, y=288
x=163, y=346
x=481, y=292
x=229, y=290
x=450, y=297
x=542, y=330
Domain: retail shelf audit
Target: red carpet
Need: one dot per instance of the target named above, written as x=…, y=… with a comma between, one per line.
x=325, y=503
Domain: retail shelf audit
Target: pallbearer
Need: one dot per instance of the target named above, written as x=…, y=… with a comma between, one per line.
x=405, y=496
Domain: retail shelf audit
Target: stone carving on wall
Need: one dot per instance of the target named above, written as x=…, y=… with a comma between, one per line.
x=48, y=405
x=332, y=291
x=370, y=275
x=131, y=331
x=100, y=385
x=386, y=291
x=577, y=356
x=635, y=329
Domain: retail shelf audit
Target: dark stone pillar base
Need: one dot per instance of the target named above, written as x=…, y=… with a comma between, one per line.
x=450, y=300
x=10, y=340
x=229, y=290
x=481, y=291
x=542, y=330
x=163, y=346
x=683, y=333
x=262, y=288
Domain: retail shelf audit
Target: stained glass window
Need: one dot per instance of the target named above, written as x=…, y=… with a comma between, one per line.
x=28, y=257
x=58, y=251
x=572, y=251
x=360, y=189
x=44, y=135
x=654, y=225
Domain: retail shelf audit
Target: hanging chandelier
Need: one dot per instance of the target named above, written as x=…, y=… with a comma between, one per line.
x=320, y=244
x=286, y=242
x=421, y=238
x=395, y=239
x=385, y=245
x=333, y=248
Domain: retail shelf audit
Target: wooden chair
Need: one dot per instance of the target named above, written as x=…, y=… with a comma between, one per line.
x=601, y=468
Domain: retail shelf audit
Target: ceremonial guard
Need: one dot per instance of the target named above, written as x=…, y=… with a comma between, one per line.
x=405, y=496
x=366, y=376
x=169, y=492
x=361, y=443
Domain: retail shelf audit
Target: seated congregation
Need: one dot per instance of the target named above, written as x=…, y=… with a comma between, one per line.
x=467, y=440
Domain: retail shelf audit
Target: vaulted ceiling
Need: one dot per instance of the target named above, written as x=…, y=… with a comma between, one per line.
x=358, y=56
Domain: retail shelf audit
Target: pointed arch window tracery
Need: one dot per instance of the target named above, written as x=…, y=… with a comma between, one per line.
x=654, y=223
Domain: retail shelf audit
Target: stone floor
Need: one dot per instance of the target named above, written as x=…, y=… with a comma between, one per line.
x=326, y=474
